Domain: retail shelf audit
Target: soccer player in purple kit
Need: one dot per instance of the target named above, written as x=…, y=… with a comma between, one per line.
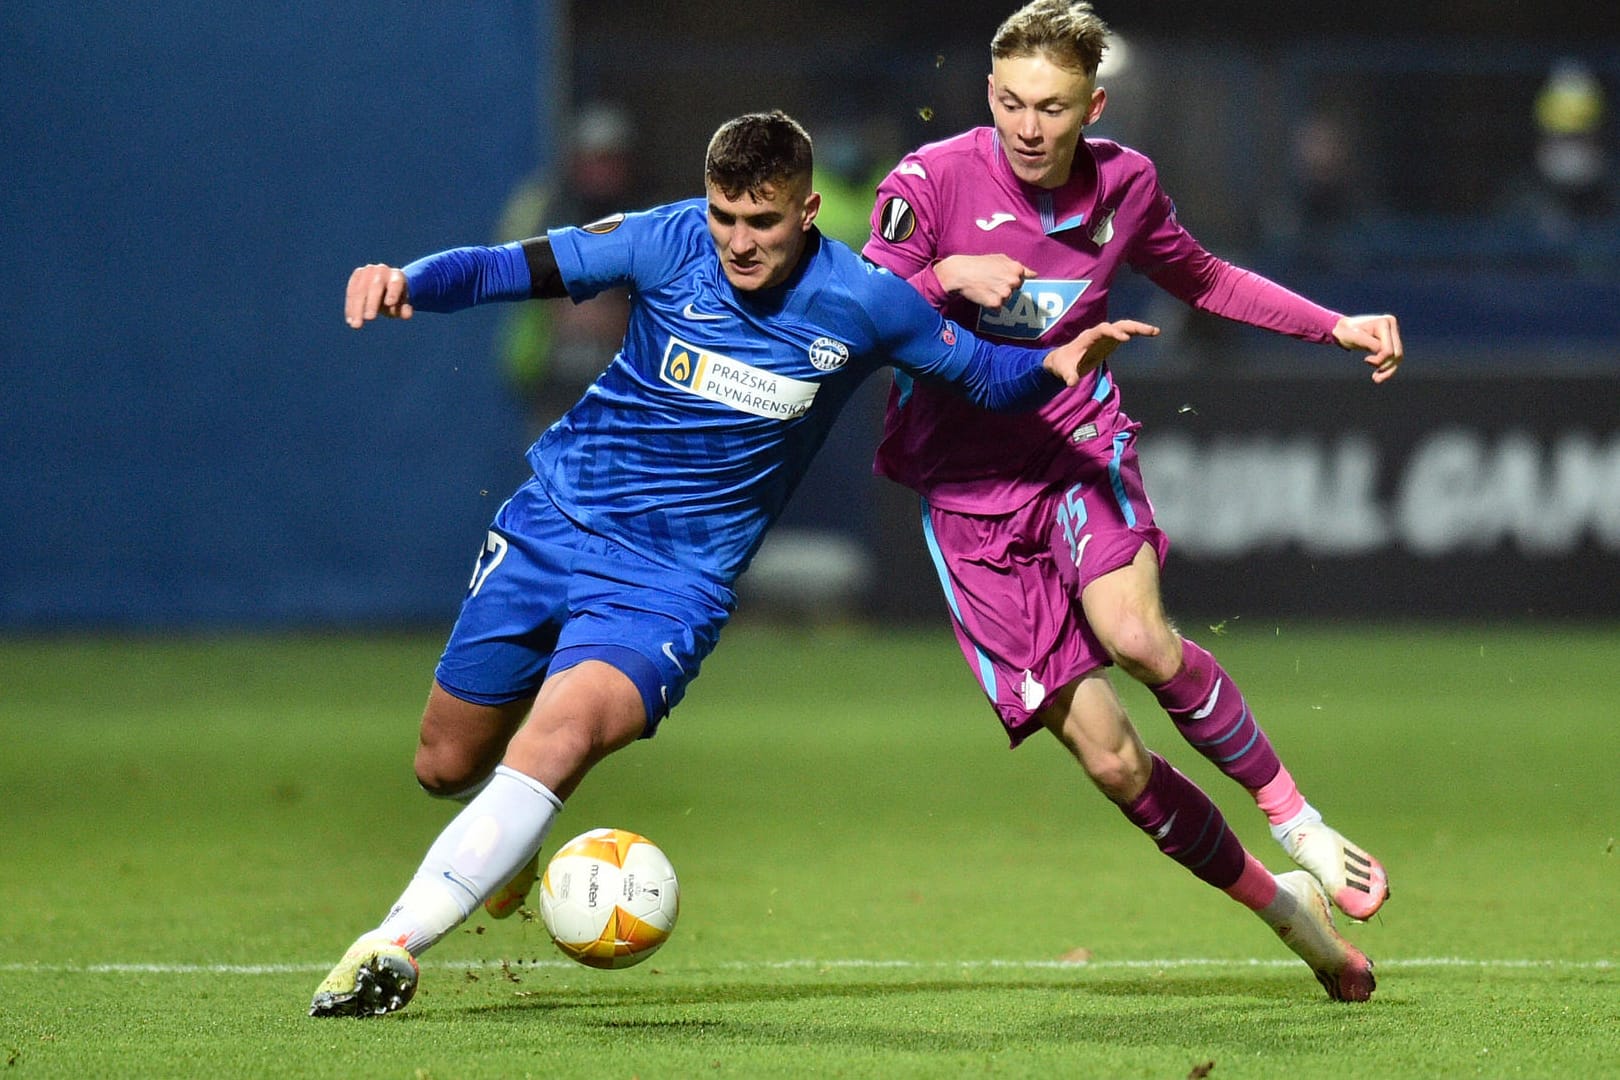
x=1041, y=532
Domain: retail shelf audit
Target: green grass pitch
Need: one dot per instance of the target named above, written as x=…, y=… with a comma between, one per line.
x=872, y=884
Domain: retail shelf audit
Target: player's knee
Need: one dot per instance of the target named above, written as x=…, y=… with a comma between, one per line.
x=1149, y=652
x=446, y=773
x=559, y=754
x=461, y=742
x=1117, y=776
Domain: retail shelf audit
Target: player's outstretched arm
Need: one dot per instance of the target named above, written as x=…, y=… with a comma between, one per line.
x=1378, y=335
x=451, y=280
x=1089, y=348
x=376, y=289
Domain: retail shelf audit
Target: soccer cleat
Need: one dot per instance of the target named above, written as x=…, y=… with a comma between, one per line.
x=1352, y=879
x=1301, y=917
x=504, y=902
x=374, y=977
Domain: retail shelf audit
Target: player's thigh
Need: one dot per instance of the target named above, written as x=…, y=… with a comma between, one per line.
x=461, y=742
x=581, y=715
x=636, y=636
x=1106, y=520
x=1125, y=609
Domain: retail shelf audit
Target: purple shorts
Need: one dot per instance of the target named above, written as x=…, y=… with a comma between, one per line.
x=1013, y=581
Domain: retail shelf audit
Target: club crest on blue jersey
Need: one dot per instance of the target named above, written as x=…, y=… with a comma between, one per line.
x=828, y=355
x=1033, y=310
x=732, y=382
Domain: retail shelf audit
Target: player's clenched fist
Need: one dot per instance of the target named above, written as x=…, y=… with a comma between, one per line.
x=376, y=289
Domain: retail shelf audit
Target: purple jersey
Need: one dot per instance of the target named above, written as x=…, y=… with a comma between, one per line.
x=960, y=197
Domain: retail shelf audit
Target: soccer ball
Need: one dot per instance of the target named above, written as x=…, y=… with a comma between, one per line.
x=609, y=898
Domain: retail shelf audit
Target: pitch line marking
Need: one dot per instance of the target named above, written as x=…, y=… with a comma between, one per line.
x=1182, y=964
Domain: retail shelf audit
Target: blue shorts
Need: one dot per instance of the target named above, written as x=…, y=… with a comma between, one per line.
x=546, y=594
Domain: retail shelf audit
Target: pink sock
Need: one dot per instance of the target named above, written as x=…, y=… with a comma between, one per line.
x=1255, y=887
x=1280, y=798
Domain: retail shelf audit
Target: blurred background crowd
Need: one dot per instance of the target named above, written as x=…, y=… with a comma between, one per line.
x=191, y=437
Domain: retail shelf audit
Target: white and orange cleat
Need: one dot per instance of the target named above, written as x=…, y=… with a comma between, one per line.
x=1352, y=879
x=1301, y=917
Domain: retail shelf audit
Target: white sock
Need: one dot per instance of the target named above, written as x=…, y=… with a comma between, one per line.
x=477, y=853
x=1282, y=909
x=1307, y=814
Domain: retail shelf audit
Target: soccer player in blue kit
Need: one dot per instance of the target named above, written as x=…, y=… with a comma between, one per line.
x=606, y=578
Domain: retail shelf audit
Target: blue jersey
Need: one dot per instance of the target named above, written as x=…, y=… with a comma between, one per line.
x=687, y=447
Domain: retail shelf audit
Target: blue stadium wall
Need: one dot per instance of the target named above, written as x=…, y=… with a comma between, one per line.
x=189, y=433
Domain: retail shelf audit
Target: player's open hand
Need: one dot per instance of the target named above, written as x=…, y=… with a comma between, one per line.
x=1378, y=335
x=376, y=289
x=1077, y=359
x=987, y=280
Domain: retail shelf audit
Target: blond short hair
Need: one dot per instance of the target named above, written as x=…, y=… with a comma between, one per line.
x=1066, y=32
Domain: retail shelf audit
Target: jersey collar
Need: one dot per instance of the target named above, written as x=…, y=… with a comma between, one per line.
x=1071, y=206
